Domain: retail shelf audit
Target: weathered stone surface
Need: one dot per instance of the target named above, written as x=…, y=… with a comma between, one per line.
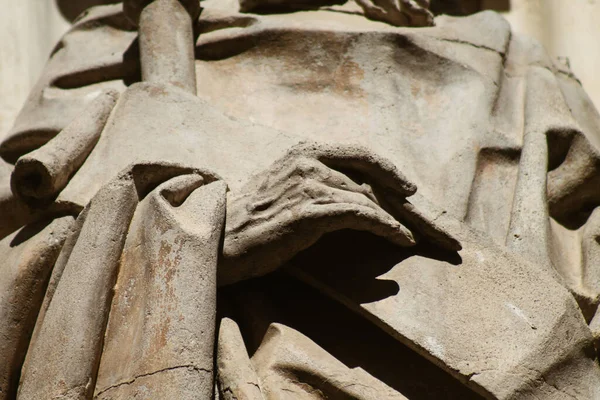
x=167, y=44
x=192, y=125
x=39, y=176
x=65, y=355
x=512, y=311
x=74, y=76
x=302, y=196
x=28, y=258
x=64, y=358
x=236, y=375
x=288, y=362
x=460, y=144
x=164, y=307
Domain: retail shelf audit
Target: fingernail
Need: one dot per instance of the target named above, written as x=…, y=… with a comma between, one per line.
x=408, y=238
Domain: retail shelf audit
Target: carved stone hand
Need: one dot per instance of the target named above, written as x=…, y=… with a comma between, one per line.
x=303, y=196
x=398, y=12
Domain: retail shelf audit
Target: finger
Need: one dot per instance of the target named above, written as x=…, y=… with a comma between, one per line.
x=310, y=192
x=338, y=180
x=338, y=216
x=385, y=5
x=423, y=3
x=423, y=225
x=310, y=171
x=418, y=15
x=406, y=211
x=294, y=190
x=310, y=221
x=388, y=11
x=370, y=9
x=318, y=192
x=411, y=6
x=362, y=160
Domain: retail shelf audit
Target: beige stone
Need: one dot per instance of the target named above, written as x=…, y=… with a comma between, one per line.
x=237, y=377
x=438, y=183
x=164, y=305
x=29, y=255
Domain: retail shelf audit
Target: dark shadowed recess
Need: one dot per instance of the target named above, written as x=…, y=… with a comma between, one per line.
x=349, y=337
x=351, y=263
x=71, y=9
x=466, y=7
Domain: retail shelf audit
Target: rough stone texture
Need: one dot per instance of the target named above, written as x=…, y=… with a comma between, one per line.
x=39, y=176
x=164, y=307
x=527, y=337
x=317, y=200
x=167, y=44
x=65, y=356
x=70, y=79
x=464, y=157
x=28, y=257
x=288, y=362
x=237, y=377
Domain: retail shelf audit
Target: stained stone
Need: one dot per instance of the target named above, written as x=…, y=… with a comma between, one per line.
x=434, y=177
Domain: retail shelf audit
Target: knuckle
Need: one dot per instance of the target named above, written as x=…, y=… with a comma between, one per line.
x=305, y=167
x=312, y=189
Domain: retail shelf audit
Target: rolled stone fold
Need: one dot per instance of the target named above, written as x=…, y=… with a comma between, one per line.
x=41, y=175
x=24, y=273
x=63, y=361
x=166, y=40
x=159, y=341
x=236, y=375
x=65, y=357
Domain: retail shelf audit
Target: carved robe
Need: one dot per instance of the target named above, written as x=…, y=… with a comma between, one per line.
x=501, y=143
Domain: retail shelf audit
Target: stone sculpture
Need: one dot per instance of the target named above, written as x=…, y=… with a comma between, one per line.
x=280, y=199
